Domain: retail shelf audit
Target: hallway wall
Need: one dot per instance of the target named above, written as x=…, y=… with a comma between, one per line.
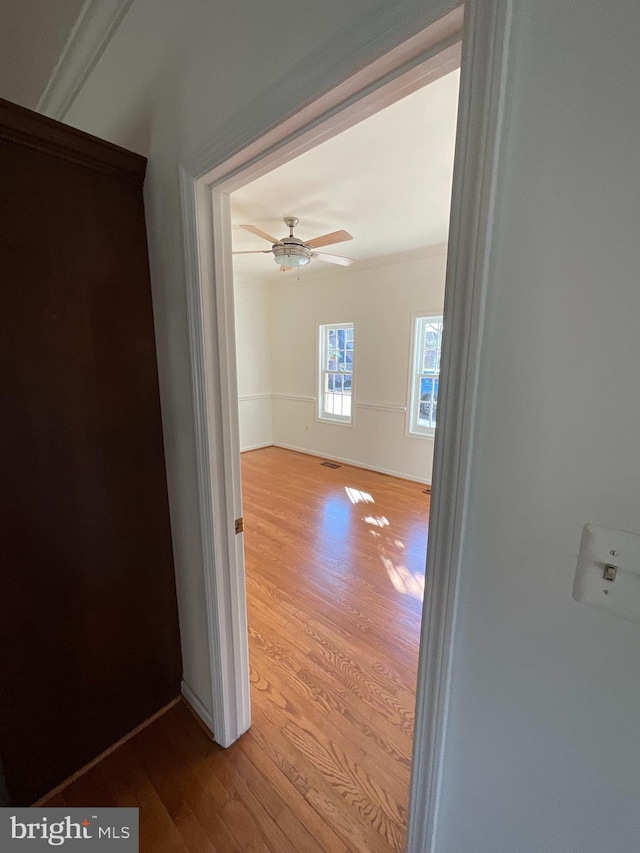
x=542, y=750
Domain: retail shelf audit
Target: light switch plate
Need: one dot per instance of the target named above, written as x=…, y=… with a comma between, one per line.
x=601, y=549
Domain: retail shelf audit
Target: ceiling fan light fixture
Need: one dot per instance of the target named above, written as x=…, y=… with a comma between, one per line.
x=291, y=256
x=292, y=252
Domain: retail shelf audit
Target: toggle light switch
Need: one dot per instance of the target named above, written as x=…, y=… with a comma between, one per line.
x=614, y=587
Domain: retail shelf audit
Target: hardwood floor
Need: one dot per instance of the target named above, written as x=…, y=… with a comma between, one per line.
x=335, y=575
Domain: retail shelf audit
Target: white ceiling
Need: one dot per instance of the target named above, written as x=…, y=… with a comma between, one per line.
x=33, y=34
x=386, y=180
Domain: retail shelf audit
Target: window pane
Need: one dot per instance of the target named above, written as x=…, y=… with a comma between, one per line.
x=430, y=361
x=336, y=371
x=426, y=366
x=345, y=360
x=428, y=401
x=431, y=352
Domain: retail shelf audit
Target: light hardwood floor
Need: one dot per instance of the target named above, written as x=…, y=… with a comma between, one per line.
x=335, y=574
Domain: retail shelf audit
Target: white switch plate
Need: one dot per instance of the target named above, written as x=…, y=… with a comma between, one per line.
x=601, y=546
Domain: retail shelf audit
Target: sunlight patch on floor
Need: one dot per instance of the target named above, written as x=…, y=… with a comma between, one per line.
x=404, y=580
x=358, y=497
x=376, y=520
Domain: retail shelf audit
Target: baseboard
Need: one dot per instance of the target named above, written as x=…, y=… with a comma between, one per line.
x=106, y=752
x=197, y=708
x=353, y=463
x=256, y=447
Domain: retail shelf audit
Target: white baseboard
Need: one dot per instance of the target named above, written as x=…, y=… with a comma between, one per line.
x=256, y=446
x=197, y=706
x=352, y=462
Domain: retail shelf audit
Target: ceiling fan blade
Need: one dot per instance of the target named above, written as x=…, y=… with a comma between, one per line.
x=332, y=259
x=259, y=233
x=253, y=252
x=328, y=239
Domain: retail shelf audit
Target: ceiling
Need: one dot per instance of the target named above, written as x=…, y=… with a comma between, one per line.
x=386, y=180
x=33, y=34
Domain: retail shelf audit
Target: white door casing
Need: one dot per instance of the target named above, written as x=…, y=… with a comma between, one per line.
x=206, y=181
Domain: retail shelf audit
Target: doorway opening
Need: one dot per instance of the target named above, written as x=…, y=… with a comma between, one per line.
x=338, y=364
x=207, y=181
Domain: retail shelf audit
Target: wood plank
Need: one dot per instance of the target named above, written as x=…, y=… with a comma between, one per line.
x=334, y=594
x=333, y=635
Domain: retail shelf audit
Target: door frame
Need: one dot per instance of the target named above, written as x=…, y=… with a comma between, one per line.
x=224, y=164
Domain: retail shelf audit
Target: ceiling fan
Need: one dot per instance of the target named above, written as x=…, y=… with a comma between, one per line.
x=292, y=252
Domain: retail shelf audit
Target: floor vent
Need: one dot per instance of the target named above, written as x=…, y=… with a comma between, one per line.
x=331, y=465
x=427, y=491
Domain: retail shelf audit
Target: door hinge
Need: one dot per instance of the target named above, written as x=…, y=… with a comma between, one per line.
x=239, y=525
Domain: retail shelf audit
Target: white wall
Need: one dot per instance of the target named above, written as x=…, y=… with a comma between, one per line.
x=543, y=749
x=253, y=347
x=379, y=299
x=174, y=75
x=544, y=740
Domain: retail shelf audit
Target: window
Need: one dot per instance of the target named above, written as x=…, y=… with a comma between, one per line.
x=335, y=380
x=425, y=374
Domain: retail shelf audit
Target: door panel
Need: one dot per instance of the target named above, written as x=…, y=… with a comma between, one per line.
x=88, y=618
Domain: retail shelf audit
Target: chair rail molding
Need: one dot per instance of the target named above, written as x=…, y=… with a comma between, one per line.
x=96, y=24
x=380, y=407
x=301, y=398
x=296, y=397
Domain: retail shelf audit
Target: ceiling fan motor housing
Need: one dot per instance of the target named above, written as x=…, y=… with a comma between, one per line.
x=291, y=251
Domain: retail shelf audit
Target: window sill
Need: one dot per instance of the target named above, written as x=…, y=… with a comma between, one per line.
x=428, y=435
x=334, y=421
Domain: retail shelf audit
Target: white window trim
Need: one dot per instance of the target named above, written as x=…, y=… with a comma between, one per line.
x=321, y=416
x=412, y=430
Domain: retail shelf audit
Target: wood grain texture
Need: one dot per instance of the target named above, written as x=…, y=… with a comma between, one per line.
x=32, y=130
x=334, y=596
x=88, y=611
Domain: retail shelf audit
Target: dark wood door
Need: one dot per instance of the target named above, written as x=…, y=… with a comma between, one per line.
x=89, y=642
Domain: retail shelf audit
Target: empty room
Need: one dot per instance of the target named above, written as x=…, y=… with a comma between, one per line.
x=338, y=349
x=233, y=619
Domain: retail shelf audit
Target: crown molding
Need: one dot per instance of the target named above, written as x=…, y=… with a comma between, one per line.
x=41, y=133
x=92, y=32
